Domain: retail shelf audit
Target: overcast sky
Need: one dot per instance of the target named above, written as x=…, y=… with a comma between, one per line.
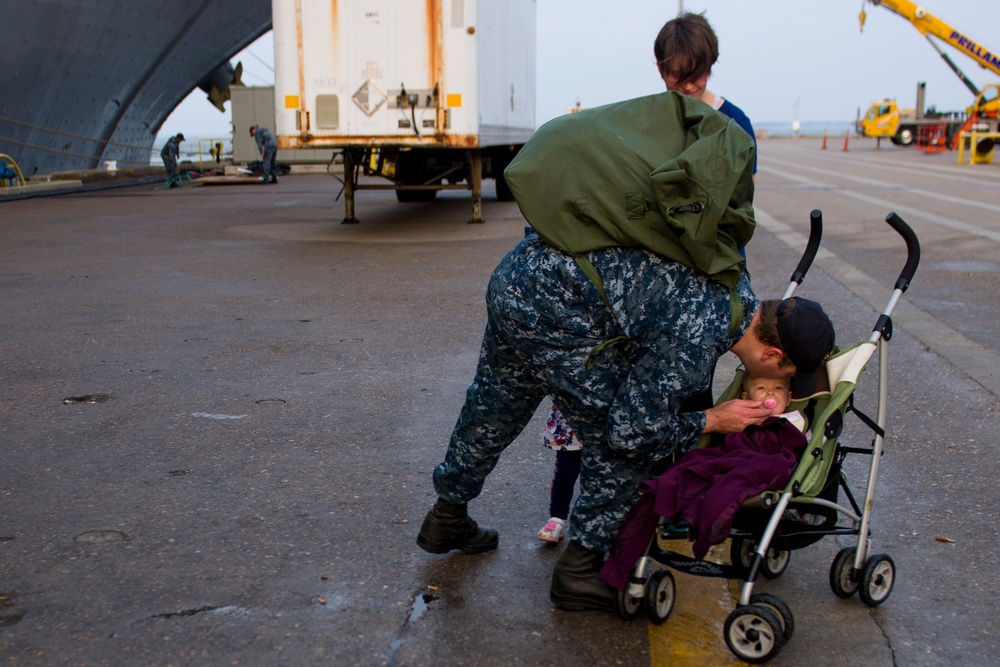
x=780, y=60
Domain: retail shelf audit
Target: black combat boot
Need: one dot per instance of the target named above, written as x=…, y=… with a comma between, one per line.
x=448, y=527
x=575, y=581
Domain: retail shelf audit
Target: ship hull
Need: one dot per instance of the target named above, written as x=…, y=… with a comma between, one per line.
x=90, y=81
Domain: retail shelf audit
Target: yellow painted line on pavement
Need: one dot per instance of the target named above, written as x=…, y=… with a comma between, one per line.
x=692, y=636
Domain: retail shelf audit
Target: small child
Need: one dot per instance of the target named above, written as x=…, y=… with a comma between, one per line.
x=706, y=487
x=774, y=394
x=558, y=435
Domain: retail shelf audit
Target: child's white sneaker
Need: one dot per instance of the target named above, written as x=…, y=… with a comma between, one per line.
x=553, y=531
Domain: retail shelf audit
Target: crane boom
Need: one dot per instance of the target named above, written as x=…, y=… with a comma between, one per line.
x=886, y=119
x=929, y=24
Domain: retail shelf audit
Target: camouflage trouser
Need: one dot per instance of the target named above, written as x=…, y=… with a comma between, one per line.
x=268, y=163
x=535, y=345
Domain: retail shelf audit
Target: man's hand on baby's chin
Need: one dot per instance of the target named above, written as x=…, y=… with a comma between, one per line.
x=735, y=415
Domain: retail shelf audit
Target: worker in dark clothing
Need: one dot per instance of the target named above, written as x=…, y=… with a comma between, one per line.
x=268, y=148
x=170, y=154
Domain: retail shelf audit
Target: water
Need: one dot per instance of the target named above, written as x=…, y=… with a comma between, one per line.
x=811, y=128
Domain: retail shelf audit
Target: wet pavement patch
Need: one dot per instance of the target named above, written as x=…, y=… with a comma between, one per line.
x=421, y=603
x=209, y=415
x=87, y=399
x=186, y=612
x=7, y=614
x=229, y=611
x=265, y=401
x=177, y=473
x=101, y=537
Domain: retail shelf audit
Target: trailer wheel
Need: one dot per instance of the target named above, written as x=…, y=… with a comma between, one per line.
x=411, y=169
x=499, y=159
x=503, y=190
x=415, y=196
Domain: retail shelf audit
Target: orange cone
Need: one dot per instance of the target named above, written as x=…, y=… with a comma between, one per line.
x=847, y=135
x=824, y=140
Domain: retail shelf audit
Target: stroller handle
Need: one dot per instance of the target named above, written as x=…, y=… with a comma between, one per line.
x=812, y=246
x=912, y=250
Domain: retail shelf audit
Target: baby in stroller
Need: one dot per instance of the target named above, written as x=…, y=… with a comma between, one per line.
x=701, y=493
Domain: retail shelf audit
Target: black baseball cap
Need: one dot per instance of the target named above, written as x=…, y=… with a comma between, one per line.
x=807, y=336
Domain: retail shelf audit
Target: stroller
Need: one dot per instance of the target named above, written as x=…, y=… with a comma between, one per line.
x=768, y=526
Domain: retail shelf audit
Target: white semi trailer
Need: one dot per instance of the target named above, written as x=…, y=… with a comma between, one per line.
x=427, y=94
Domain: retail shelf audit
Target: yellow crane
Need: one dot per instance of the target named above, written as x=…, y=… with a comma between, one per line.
x=885, y=119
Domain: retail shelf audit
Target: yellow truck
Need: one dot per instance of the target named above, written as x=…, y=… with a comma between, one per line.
x=902, y=126
x=885, y=119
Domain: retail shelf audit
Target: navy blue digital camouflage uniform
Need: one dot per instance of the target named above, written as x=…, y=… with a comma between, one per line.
x=170, y=153
x=268, y=147
x=544, y=335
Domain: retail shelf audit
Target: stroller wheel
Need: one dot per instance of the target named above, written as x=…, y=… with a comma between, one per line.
x=660, y=596
x=628, y=607
x=780, y=609
x=741, y=552
x=841, y=581
x=753, y=633
x=775, y=563
x=877, y=578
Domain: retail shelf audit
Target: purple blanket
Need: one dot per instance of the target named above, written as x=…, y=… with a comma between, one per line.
x=705, y=488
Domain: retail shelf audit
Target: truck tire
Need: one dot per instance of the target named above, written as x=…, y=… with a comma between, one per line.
x=411, y=169
x=415, y=196
x=498, y=162
x=905, y=136
x=503, y=190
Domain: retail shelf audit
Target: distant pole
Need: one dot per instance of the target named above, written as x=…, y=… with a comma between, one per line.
x=795, y=119
x=680, y=7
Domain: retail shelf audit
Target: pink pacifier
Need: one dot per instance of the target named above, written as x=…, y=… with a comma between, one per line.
x=770, y=403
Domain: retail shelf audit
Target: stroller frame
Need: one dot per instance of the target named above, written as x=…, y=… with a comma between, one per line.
x=761, y=624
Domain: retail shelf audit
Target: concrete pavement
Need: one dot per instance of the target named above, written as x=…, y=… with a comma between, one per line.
x=221, y=409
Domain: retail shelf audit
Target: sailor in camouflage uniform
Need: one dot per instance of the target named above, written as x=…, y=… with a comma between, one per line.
x=267, y=145
x=620, y=376
x=170, y=154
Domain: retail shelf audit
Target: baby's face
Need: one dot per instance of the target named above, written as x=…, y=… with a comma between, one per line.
x=763, y=389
